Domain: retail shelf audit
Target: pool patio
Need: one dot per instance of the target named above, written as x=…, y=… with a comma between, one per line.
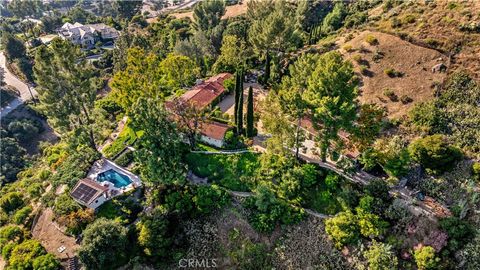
x=103, y=165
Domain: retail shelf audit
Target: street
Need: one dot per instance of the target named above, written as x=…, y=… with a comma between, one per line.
x=22, y=87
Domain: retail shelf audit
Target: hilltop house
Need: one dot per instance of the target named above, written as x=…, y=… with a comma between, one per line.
x=203, y=97
x=104, y=181
x=89, y=193
x=87, y=35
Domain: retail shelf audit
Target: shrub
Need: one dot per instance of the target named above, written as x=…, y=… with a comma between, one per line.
x=395, y=22
x=348, y=48
x=364, y=70
x=268, y=210
x=377, y=56
x=23, y=255
x=432, y=42
x=332, y=180
x=425, y=258
x=392, y=73
x=381, y=256
x=476, y=170
x=459, y=232
x=342, y=228
x=209, y=198
x=434, y=153
x=390, y=94
x=372, y=40
x=11, y=201
x=452, y=5
x=357, y=58
x=44, y=174
x=405, y=99
x=22, y=214
x=125, y=159
x=409, y=18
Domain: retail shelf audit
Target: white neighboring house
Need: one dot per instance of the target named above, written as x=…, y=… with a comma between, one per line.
x=87, y=35
x=89, y=193
x=213, y=133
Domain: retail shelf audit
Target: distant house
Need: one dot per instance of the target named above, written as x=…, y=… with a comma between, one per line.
x=87, y=35
x=208, y=93
x=213, y=133
x=89, y=193
x=204, y=96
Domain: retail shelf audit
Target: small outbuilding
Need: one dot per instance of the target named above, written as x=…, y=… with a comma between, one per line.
x=89, y=193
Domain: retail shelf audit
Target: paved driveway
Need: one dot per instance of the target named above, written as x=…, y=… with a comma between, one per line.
x=22, y=88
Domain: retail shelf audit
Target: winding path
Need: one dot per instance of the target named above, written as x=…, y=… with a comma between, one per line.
x=429, y=207
x=244, y=194
x=15, y=82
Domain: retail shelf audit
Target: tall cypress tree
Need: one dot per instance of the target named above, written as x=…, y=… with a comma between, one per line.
x=235, y=93
x=250, y=113
x=267, y=69
x=240, y=112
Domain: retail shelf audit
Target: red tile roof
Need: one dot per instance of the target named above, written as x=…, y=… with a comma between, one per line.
x=205, y=93
x=220, y=78
x=214, y=130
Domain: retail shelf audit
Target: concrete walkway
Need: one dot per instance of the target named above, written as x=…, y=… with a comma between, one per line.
x=15, y=82
x=243, y=194
x=223, y=152
x=431, y=210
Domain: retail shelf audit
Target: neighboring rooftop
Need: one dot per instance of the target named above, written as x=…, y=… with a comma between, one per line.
x=214, y=130
x=206, y=92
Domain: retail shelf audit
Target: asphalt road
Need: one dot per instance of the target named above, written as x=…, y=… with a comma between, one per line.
x=12, y=80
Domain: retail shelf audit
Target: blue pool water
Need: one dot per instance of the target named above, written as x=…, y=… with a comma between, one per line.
x=117, y=179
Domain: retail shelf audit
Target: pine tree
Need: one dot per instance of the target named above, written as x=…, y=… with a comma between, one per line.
x=250, y=113
x=240, y=110
x=66, y=87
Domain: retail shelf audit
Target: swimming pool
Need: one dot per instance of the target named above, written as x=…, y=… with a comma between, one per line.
x=117, y=179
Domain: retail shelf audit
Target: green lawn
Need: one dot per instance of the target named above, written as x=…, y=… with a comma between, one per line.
x=234, y=172
x=125, y=138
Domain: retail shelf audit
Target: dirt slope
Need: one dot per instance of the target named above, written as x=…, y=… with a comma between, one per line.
x=414, y=62
x=230, y=11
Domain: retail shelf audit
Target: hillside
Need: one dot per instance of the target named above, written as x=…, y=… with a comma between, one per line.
x=416, y=82
x=451, y=26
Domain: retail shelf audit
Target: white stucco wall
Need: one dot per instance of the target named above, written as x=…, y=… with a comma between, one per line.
x=97, y=202
x=211, y=141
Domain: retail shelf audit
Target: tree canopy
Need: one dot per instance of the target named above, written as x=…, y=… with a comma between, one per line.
x=207, y=14
x=161, y=147
x=66, y=87
x=331, y=95
x=104, y=245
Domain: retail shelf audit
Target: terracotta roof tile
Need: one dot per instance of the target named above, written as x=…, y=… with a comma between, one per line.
x=205, y=93
x=214, y=130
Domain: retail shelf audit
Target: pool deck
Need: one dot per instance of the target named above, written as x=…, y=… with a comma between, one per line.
x=104, y=164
